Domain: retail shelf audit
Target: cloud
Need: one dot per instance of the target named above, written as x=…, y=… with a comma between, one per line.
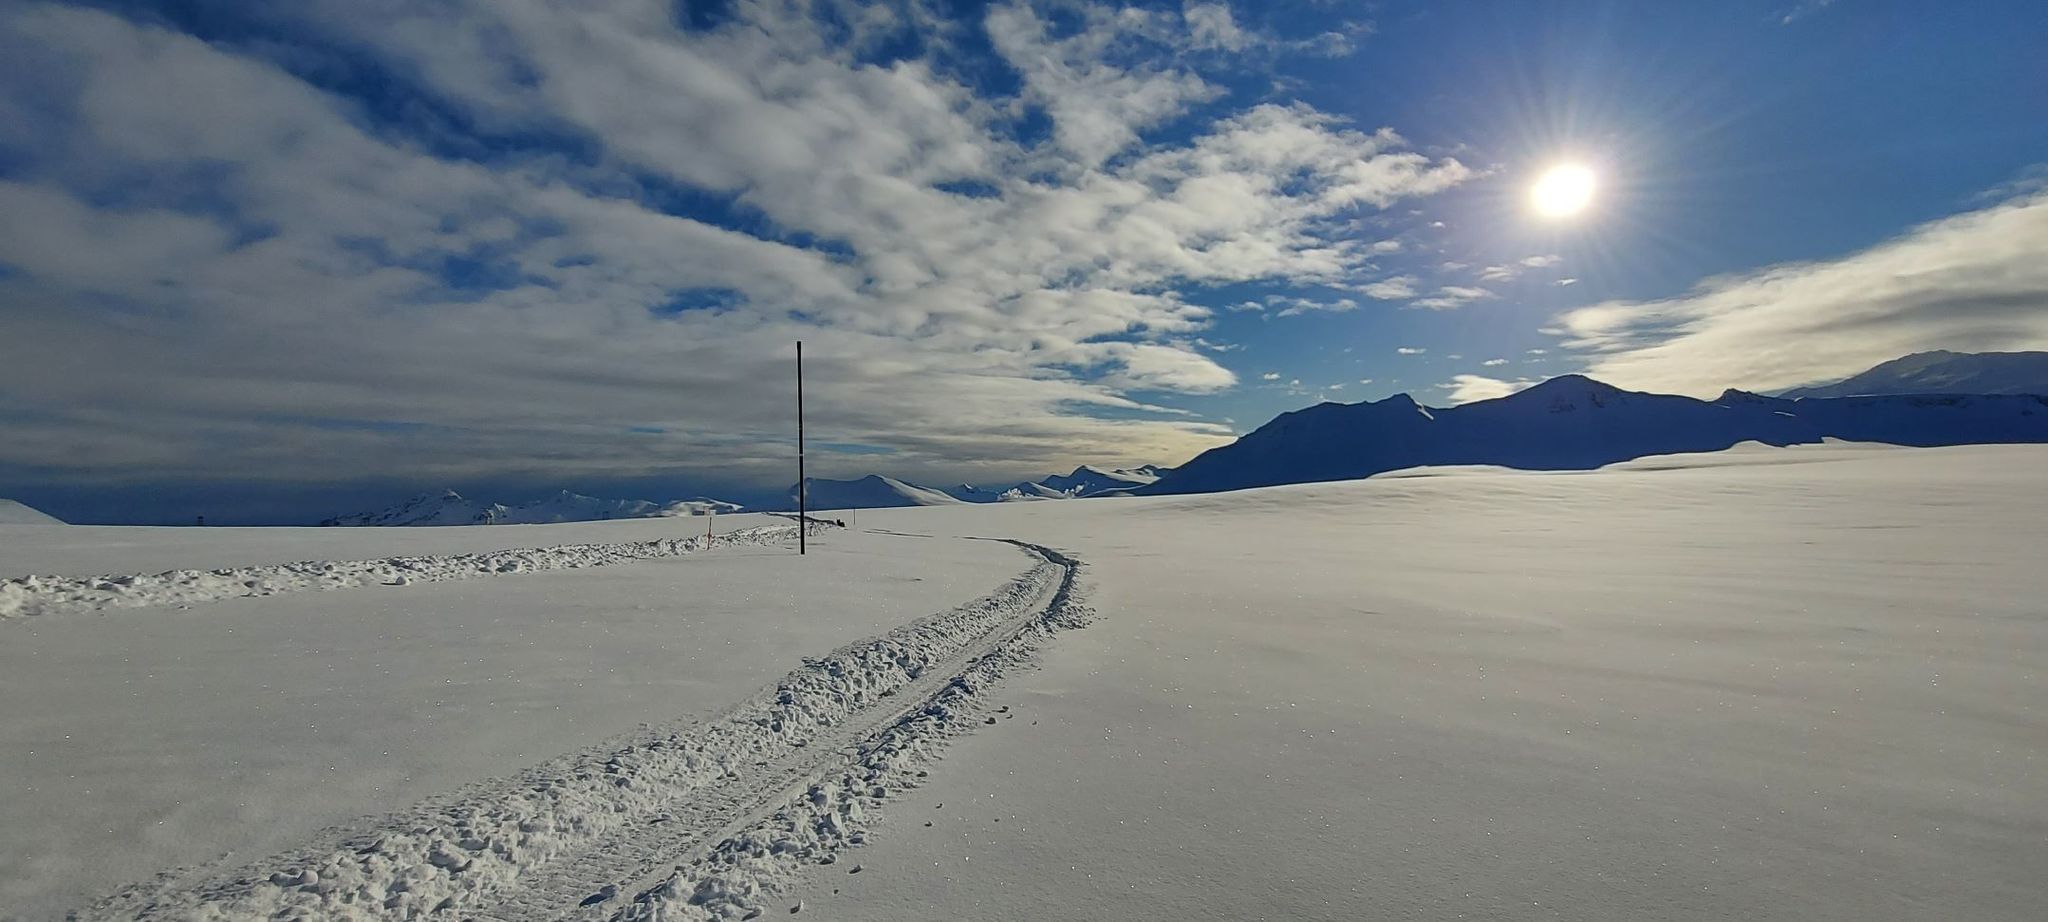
x=1212, y=26
x=1296, y=306
x=1410, y=350
x=1540, y=261
x=1270, y=376
x=576, y=220
x=1390, y=289
x=1565, y=281
x=1537, y=351
x=1100, y=91
x=1468, y=388
x=1971, y=282
x=1493, y=362
x=1451, y=297
x=1801, y=10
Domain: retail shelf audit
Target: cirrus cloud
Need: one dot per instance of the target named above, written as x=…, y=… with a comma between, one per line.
x=1971, y=282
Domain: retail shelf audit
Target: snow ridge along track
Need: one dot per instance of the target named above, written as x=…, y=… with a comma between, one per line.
x=44, y=595
x=689, y=821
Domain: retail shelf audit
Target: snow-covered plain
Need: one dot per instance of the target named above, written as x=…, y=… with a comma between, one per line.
x=1764, y=683
x=139, y=740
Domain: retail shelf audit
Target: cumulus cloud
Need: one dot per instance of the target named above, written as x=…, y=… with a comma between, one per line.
x=1468, y=388
x=1493, y=362
x=1390, y=289
x=1270, y=376
x=1410, y=350
x=1212, y=26
x=210, y=266
x=1971, y=282
x=1100, y=91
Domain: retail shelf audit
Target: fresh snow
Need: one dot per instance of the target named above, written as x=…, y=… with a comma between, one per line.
x=14, y=513
x=217, y=735
x=1765, y=682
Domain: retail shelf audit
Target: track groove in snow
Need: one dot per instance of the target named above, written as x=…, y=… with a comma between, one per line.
x=698, y=820
x=46, y=595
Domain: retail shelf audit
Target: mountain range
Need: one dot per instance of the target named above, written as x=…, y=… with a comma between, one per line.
x=451, y=508
x=1570, y=422
x=1573, y=422
x=876, y=491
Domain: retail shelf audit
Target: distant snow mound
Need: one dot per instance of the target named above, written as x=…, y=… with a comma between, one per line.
x=1943, y=373
x=451, y=508
x=871, y=492
x=13, y=513
x=1573, y=422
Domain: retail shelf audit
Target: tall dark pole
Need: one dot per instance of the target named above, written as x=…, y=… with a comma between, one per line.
x=803, y=517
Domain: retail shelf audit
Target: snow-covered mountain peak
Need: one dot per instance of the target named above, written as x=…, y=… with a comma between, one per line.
x=1943, y=372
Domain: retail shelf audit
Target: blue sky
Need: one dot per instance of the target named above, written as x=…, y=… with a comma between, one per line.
x=265, y=260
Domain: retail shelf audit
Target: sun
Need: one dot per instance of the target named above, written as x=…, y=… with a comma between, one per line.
x=1563, y=190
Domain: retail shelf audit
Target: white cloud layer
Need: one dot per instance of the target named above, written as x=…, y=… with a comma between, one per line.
x=1468, y=388
x=211, y=268
x=1972, y=282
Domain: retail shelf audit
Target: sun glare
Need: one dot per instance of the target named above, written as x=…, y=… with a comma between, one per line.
x=1563, y=191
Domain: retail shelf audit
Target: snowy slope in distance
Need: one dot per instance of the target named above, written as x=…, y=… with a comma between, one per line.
x=444, y=508
x=870, y=492
x=451, y=508
x=14, y=513
x=1088, y=480
x=1941, y=372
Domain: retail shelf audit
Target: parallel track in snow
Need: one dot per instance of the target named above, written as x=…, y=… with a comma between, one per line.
x=642, y=857
x=699, y=820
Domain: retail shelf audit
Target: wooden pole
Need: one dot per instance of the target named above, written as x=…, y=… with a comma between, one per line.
x=803, y=518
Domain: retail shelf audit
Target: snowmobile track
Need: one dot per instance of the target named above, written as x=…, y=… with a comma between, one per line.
x=699, y=819
x=640, y=858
